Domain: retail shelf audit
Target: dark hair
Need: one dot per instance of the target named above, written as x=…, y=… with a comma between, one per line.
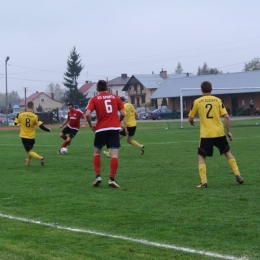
x=30, y=104
x=206, y=87
x=122, y=99
x=102, y=85
x=70, y=104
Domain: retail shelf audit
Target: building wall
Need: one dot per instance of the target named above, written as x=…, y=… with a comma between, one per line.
x=92, y=91
x=234, y=103
x=117, y=90
x=138, y=92
x=47, y=103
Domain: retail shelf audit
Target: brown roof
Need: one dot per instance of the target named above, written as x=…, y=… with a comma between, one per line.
x=84, y=88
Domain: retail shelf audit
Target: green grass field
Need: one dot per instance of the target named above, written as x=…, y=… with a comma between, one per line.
x=53, y=212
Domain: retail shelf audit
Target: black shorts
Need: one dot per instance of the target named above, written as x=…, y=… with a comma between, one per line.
x=130, y=129
x=70, y=131
x=206, y=145
x=28, y=144
x=110, y=138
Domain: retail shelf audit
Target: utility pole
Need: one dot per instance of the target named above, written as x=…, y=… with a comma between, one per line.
x=6, y=93
x=25, y=99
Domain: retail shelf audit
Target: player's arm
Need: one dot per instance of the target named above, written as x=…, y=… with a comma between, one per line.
x=17, y=120
x=88, y=118
x=191, y=120
x=44, y=128
x=85, y=120
x=65, y=122
x=227, y=126
x=192, y=115
x=124, y=124
x=40, y=124
x=122, y=115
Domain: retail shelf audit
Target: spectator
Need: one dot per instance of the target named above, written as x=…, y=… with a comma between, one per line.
x=251, y=106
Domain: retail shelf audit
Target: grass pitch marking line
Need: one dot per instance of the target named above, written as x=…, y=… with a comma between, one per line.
x=140, y=241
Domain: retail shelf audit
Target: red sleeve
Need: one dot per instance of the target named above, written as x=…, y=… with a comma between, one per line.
x=91, y=105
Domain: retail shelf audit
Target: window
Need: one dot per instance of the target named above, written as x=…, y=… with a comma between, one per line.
x=143, y=99
x=135, y=88
x=116, y=92
x=132, y=100
x=42, y=100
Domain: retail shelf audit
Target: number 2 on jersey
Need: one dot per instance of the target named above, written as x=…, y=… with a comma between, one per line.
x=209, y=107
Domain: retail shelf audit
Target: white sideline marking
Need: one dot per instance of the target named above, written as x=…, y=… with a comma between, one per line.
x=141, y=241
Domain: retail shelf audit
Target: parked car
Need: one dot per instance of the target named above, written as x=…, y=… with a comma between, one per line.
x=165, y=113
x=160, y=113
x=142, y=112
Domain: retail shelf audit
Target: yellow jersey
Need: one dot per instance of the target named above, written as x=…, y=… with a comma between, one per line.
x=130, y=114
x=209, y=109
x=27, y=121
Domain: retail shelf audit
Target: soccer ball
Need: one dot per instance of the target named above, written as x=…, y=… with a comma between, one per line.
x=64, y=150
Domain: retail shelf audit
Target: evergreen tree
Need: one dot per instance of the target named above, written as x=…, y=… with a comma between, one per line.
x=164, y=102
x=206, y=70
x=179, y=69
x=74, y=68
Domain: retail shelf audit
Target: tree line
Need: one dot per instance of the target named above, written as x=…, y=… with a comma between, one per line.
x=206, y=70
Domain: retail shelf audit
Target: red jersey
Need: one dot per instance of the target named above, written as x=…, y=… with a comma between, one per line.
x=74, y=118
x=106, y=105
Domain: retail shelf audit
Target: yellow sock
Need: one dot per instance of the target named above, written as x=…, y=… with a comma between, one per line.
x=202, y=172
x=34, y=155
x=133, y=142
x=233, y=164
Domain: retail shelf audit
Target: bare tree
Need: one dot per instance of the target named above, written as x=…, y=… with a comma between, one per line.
x=253, y=64
x=57, y=91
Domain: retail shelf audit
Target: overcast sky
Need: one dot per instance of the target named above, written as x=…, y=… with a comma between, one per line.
x=123, y=36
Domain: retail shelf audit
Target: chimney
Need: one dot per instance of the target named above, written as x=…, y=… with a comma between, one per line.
x=52, y=95
x=124, y=75
x=163, y=74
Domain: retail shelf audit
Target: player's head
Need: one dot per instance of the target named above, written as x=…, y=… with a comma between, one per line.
x=71, y=107
x=101, y=86
x=30, y=105
x=206, y=87
x=122, y=99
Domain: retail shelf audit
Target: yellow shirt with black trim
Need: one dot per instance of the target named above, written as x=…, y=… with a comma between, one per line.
x=27, y=121
x=209, y=109
x=130, y=114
